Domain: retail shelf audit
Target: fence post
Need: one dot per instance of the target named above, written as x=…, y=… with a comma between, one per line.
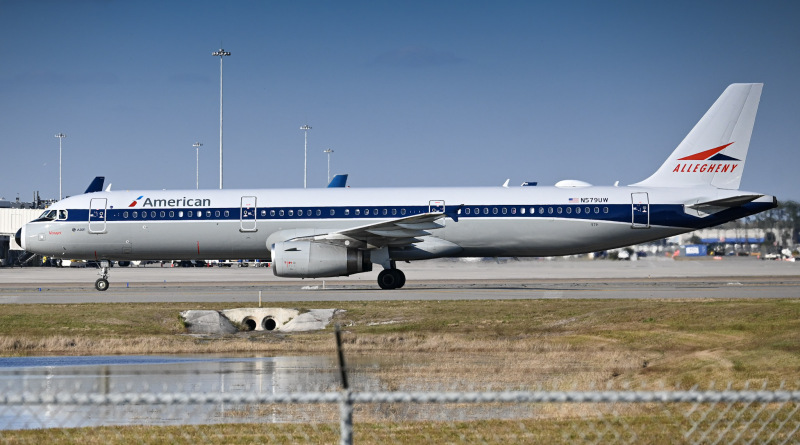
x=346, y=418
x=346, y=404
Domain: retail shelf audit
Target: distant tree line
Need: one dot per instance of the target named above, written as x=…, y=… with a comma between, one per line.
x=779, y=224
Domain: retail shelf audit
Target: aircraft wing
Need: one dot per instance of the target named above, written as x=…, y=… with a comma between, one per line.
x=395, y=232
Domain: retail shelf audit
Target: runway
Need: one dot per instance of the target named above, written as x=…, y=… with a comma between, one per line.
x=654, y=278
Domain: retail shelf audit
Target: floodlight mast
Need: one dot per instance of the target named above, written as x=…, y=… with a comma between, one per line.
x=305, y=129
x=221, y=53
x=197, y=146
x=328, y=152
x=60, y=137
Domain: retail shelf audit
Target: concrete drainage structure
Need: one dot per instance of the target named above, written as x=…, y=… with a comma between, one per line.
x=257, y=319
x=261, y=319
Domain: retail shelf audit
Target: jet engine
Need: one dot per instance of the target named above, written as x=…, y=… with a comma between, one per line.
x=307, y=259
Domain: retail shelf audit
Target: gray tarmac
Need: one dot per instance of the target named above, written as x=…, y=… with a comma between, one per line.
x=659, y=278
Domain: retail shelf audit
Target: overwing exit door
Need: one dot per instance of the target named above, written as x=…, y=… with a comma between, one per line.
x=248, y=214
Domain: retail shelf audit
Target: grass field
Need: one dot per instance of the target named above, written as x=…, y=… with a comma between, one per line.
x=518, y=344
x=453, y=345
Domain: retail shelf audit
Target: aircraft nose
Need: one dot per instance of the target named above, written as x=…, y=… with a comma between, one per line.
x=18, y=237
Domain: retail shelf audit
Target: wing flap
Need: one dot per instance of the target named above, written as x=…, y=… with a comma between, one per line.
x=395, y=232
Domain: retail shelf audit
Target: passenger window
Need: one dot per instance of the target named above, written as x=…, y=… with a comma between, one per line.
x=403, y=211
x=522, y=210
x=358, y=212
x=300, y=212
x=346, y=212
x=216, y=213
x=189, y=214
x=375, y=212
x=569, y=209
x=550, y=210
x=577, y=210
x=513, y=210
x=477, y=211
x=558, y=210
x=486, y=210
x=153, y=214
x=541, y=210
x=597, y=210
x=163, y=214
x=319, y=212
x=263, y=213
x=505, y=210
x=199, y=213
x=333, y=212
x=605, y=209
x=228, y=213
x=366, y=212
x=587, y=210
x=208, y=213
x=271, y=213
x=291, y=212
x=394, y=212
x=385, y=212
x=180, y=214
x=125, y=215
x=280, y=212
x=466, y=210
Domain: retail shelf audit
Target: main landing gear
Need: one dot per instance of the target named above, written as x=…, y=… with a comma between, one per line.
x=102, y=283
x=391, y=279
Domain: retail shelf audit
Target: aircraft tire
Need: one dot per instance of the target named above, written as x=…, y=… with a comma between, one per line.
x=391, y=279
x=402, y=278
x=101, y=284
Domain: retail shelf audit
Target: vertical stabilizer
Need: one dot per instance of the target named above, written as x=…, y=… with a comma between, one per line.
x=714, y=152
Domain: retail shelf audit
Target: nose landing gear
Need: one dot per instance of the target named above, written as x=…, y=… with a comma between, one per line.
x=102, y=283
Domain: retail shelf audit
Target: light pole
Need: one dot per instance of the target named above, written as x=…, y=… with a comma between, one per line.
x=60, y=137
x=305, y=129
x=221, y=53
x=197, y=145
x=329, y=151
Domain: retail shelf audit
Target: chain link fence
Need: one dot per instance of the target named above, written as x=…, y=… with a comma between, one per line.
x=729, y=416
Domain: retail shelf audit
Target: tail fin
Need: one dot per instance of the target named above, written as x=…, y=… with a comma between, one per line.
x=714, y=152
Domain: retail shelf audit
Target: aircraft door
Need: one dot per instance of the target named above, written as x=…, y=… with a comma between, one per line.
x=248, y=214
x=437, y=205
x=97, y=215
x=640, y=210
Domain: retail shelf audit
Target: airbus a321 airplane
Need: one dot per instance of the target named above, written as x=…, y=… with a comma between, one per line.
x=311, y=233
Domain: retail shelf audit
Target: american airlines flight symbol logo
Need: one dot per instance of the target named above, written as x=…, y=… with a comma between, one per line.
x=722, y=162
x=135, y=201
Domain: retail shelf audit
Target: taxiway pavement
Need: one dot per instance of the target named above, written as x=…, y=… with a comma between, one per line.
x=427, y=280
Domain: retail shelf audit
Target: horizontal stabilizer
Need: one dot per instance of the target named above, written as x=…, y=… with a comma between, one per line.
x=734, y=201
x=706, y=208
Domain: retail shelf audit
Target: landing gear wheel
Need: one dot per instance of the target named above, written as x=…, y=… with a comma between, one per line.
x=402, y=278
x=101, y=284
x=391, y=279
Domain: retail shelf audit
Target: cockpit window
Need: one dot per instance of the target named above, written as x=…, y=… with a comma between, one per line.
x=62, y=215
x=48, y=215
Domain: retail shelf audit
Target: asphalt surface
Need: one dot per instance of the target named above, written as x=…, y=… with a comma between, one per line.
x=428, y=280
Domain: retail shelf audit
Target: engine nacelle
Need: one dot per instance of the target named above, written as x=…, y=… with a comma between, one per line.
x=306, y=259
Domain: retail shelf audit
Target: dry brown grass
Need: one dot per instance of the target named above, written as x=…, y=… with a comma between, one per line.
x=552, y=344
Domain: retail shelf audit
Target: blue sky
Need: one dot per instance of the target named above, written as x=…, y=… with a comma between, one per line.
x=428, y=93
